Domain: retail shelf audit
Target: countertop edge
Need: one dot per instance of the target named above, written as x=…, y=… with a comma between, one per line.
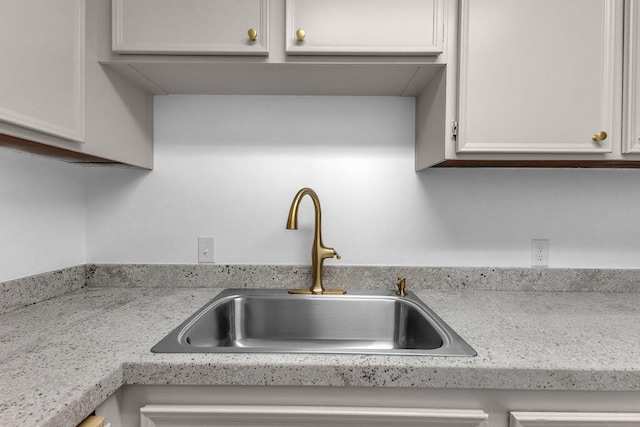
x=311, y=375
x=358, y=375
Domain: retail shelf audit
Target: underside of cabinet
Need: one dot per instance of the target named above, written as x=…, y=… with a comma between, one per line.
x=38, y=149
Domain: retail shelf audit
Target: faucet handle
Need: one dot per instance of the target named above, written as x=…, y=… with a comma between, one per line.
x=401, y=283
x=337, y=255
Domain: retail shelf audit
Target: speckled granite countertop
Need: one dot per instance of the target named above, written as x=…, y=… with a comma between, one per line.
x=61, y=358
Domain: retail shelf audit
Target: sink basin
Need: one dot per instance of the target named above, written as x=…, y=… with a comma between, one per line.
x=273, y=321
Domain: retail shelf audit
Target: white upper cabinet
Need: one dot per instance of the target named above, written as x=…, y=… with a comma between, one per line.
x=43, y=66
x=56, y=99
x=631, y=135
x=364, y=27
x=386, y=48
x=191, y=27
x=537, y=76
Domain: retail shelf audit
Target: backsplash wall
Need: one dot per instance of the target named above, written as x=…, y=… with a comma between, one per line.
x=229, y=166
x=42, y=214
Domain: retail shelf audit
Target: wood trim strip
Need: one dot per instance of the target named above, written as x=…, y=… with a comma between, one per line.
x=48, y=150
x=568, y=164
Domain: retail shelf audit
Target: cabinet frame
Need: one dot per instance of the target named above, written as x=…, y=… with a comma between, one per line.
x=631, y=143
x=467, y=406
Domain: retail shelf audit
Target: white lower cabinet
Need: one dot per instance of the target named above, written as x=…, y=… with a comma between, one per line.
x=312, y=416
x=573, y=419
x=178, y=405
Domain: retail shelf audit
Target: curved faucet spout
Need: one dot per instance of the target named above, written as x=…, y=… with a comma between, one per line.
x=318, y=251
x=292, y=221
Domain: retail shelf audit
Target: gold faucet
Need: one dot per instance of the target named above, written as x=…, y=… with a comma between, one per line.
x=318, y=252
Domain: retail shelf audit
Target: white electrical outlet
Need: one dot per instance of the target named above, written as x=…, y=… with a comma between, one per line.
x=539, y=253
x=206, y=249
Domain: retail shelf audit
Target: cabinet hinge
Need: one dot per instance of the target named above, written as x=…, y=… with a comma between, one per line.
x=454, y=128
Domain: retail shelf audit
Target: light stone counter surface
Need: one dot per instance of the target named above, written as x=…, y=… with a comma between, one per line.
x=61, y=358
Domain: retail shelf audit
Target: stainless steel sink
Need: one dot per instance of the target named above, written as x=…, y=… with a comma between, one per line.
x=273, y=321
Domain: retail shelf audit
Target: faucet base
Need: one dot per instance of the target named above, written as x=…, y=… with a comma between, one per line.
x=325, y=292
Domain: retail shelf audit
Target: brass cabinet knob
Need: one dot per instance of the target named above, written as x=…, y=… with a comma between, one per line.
x=600, y=136
x=253, y=34
x=300, y=34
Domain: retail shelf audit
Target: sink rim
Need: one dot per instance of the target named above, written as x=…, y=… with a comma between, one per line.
x=453, y=345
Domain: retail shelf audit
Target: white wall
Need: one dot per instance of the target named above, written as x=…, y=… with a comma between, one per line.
x=229, y=167
x=42, y=214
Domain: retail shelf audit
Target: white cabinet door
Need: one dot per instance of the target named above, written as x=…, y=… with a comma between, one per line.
x=190, y=27
x=537, y=76
x=43, y=69
x=574, y=419
x=631, y=135
x=334, y=416
x=368, y=27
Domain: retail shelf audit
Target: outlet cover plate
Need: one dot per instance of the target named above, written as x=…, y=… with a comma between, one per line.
x=206, y=250
x=539, y=253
